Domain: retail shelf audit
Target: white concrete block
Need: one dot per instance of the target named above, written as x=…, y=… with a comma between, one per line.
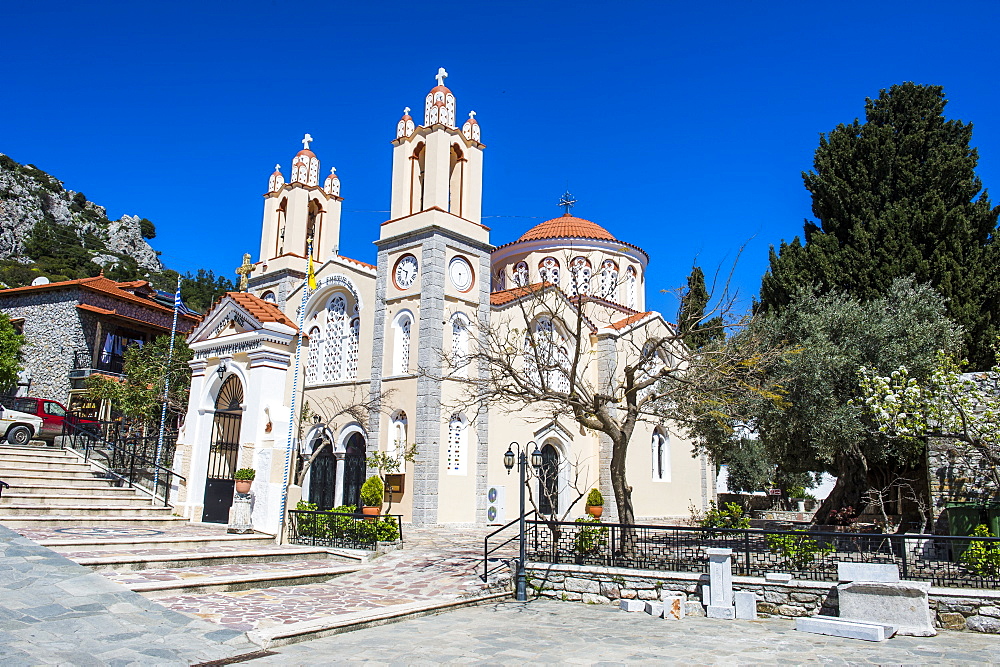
x=694, y=608
x=674, y=607
x=714, y=611
x=720, y=572
x=842, y=627
x=903, y=604
x=706, y=595
x=882, y=572
x=746, y=605
x=777, y=577
x=632, y=605
x=654, y=609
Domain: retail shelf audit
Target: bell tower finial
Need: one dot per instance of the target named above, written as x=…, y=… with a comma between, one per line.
x=441, y=76
x=567, y=202
x=306, y=140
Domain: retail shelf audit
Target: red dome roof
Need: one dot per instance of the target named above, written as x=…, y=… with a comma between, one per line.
x=567, y=226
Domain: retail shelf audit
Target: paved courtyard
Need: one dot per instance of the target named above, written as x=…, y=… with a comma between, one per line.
x=550, y=632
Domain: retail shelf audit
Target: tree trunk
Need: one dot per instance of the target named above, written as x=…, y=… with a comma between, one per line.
x=852, y=482
x=623, y=493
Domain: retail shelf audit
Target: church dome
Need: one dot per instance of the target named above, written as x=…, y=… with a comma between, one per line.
x=567, y=226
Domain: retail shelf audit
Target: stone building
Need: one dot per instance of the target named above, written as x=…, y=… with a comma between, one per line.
x=74, y=328
x=380, y=334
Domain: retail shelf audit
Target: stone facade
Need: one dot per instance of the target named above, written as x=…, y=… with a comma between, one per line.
x=976, y=610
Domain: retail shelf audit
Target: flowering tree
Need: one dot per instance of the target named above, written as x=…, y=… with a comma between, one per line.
x=961, y=408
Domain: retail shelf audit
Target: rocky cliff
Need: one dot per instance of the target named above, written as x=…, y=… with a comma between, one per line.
x=29, y=196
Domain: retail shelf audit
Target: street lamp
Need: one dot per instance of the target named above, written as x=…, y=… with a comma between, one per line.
x=521, y=594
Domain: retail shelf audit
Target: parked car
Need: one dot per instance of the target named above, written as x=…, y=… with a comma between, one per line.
x=52, y=413
x=18, y=428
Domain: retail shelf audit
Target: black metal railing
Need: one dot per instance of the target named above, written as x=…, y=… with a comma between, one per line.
x=106, y=362
x=345, y=530
x=964, y=562
x=502, y=553
x=127, y=455
x=3, y=485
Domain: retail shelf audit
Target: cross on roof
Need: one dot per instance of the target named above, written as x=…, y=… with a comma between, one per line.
x=472, y=115
x=441, y=76
x=306, y=140
x=245, y=270
x=277, y=167
x=567, y=201
x=406, y=111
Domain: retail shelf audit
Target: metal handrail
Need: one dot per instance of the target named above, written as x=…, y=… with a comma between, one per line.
x=3, y=485
x=487, y=551
x=120, y=452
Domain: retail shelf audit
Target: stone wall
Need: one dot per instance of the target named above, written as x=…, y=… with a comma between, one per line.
x=955, y=609
x=52, y=332
x=954, y=474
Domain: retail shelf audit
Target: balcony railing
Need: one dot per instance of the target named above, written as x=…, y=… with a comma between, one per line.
x=106, y=362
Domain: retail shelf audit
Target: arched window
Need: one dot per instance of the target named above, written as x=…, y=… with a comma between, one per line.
x=457, y=436
x=401, y=344
x=548, y=270
x=545, y=356
x=460, y=344
x=548, y=481
x=609, y=279
x=269, y=297
x=352, y=348
x=312, y=356
x=521, y=274
x=456, y=171
x=500, y=282
x=417, y=165
x=580, y=272
x=334, y=342
x=661, y=456
x=631, y=288
x=397, y=445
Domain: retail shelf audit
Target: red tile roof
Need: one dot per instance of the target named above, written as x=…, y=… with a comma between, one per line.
x=264, y=311
x=631, y=319
x=506, y=296
x=567, y=226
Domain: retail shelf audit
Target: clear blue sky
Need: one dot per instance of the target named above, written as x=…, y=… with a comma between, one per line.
x=681, y=127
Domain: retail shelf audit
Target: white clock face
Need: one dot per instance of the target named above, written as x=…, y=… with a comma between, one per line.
x=461, y=273
x=406, y=272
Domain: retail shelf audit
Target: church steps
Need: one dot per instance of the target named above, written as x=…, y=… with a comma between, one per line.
x=98, y=488
x=89, y=510
x=209, y=582
x=186, y=543
x=81, y=472
x=72, y=498
x=128, y=562
x=15, y=521
x=9, y=456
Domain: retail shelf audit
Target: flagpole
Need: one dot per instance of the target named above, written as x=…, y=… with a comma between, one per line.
x=308, y=285
x=166, y=389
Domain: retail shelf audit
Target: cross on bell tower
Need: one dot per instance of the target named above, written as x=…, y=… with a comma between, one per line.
x=306, y=140
x=441, y=76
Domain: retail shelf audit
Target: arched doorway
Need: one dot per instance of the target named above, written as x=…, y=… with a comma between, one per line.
x=548, y=481
x=224, y=451
x=323, y=475
x=354, y=469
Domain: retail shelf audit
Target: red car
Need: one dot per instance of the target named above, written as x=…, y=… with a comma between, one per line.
x=52, y=413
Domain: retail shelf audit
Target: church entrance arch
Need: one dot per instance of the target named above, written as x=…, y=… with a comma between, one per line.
x=354, y=469
x=223, y=452
x=323, y=475
x=548, y=481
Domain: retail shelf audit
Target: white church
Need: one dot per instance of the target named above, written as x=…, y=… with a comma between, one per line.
x=383, y=334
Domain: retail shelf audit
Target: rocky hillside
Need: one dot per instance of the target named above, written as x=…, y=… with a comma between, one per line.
x=48, y=230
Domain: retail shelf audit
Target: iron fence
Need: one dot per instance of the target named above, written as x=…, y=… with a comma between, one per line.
x=3, y=485
x=345, y=530
x=964, y=562
x=127, y=454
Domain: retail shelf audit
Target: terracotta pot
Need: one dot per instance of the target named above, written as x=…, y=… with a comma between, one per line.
x=368, y=510
x=243, y=485
x=595, y=510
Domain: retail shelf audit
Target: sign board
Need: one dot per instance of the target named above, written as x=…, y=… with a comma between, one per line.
x=774, y=492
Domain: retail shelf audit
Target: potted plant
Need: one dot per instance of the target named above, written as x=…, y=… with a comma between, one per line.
x=372, y=495
x=244, y=478
x=595, y=503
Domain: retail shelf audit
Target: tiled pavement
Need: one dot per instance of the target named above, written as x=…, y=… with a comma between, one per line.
x=550, y=632
x=53, y=611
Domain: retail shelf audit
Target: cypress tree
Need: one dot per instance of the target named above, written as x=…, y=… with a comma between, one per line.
x=898, y=196
x=691, y=324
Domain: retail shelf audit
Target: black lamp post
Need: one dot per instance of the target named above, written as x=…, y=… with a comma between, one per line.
x=521, y=593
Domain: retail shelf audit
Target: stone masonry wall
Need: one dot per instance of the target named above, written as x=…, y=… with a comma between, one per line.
x=955, y=609
x=52, y=332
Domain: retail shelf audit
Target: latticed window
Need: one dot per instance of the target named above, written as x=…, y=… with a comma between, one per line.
x=456, y=445
x=401, y=351
x=460, y=343
x=333, y=348
x=631, y=287
x=352, y=349
x=312, y=356
x=561, y=372
x=581, y=272
x=609, y=279
x=548, y=269
x=521, y=274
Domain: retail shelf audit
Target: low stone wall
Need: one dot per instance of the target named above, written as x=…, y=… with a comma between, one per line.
x=954, y=608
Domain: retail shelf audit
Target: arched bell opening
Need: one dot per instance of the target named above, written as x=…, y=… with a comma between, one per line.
x=223, y=451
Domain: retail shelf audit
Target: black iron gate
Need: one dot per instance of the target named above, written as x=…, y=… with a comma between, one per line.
x=224, y=451
x=354, y=469
x=323, y=480
x=548, y=481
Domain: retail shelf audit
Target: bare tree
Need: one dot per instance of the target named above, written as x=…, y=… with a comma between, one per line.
x=545, y=352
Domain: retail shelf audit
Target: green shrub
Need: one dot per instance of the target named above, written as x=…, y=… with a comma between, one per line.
x=245, y=474
x=372, y=492
x=797, y=551
x=595, y=499
x=730, y=516
x=590, y=540
x=982, y=558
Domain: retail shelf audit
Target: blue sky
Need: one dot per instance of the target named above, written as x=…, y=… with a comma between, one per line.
x=681, y=127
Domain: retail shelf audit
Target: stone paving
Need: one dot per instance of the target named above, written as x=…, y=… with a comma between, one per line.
x=197, y=572
x=550, y=632
x=436, y=564
x=122, y=532
x=53, y=611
